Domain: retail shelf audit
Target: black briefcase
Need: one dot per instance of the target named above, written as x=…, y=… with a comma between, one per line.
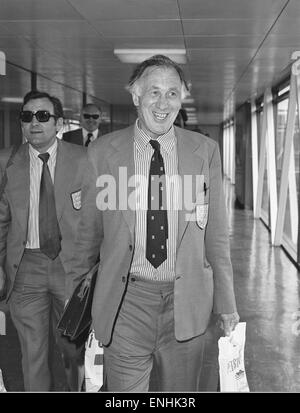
x=76, y=318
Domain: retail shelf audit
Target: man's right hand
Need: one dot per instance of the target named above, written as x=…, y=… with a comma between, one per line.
x=2, y=282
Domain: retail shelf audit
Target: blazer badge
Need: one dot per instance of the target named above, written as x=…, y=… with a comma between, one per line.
x=76, y=199
x=201, y=215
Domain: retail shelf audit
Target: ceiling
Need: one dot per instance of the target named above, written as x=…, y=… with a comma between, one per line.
x=234, y=47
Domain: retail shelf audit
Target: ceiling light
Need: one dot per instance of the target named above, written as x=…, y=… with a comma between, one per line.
x=12, y=99
x=139, y=55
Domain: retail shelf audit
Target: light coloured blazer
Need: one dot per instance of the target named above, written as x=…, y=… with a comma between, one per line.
x=203, y=282
x=75, y=136
x=14, y=205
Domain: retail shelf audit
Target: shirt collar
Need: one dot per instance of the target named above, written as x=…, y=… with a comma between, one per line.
x=142, y=139
x=52, y=150
x=85, y=133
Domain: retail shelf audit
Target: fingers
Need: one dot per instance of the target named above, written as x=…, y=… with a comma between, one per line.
x=229, y=322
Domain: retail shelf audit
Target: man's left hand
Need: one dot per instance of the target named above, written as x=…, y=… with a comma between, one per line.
x=228, y=322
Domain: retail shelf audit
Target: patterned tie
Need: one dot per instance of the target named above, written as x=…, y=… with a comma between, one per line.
x=49, y=232
x=157, y=216
x=89, y=137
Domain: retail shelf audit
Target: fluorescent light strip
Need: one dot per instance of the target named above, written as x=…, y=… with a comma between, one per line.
x=139, y=55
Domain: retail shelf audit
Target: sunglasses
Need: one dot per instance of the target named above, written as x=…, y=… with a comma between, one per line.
x=87, y=116
x=41, y=115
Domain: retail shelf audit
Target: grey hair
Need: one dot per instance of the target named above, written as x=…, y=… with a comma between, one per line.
x=155, y=61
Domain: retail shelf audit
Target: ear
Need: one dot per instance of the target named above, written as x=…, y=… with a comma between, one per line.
x=135, y=98
x=59, y=124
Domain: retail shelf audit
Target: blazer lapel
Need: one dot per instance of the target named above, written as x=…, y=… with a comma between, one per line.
x=64, y=174
x=189, y=163
x=18, y=185
x=123, y=157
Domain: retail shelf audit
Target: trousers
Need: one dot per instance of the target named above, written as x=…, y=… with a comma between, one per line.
x=144, y=354
x=36, y=303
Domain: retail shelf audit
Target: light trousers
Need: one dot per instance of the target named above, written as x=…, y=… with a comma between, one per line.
x=144, y=346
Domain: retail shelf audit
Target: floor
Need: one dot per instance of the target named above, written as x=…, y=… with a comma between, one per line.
x=267, y=286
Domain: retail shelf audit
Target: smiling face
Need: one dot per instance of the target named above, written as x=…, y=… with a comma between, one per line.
x=41, y=135
x=157, y=96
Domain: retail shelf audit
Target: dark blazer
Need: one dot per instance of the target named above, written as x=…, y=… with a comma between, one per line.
x=75, y=136
x=14, y=204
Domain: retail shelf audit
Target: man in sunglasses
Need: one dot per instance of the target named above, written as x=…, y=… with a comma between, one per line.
x=90, y=119
x=39, y=212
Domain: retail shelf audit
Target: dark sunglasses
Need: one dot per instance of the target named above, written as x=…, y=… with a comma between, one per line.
x=41, y=115
x=87, y=116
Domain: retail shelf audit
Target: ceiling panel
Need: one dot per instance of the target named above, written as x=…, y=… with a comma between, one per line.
x=37, y=10
x=130, y=28
x=57, y=29
x=231, y=9
x=212, y=42
x=226, y=27
x=127, y=9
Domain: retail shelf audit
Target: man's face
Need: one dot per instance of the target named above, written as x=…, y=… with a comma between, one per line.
x=158, y=99
x=41, y=135
x=89, y=122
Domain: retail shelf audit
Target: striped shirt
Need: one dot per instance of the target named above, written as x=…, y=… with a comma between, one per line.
x=143, y=152
x=36, y=166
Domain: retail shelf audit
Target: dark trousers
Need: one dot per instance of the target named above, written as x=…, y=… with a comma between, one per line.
x=36, y=304
x=144, y=338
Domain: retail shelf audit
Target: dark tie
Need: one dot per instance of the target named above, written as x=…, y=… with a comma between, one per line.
x=48, y=226
x=157, y=218
x=88, y=141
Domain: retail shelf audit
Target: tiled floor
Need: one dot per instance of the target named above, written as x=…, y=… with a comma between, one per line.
x=267, y=289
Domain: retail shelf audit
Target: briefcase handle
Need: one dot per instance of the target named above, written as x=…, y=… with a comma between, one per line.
x=87, y=281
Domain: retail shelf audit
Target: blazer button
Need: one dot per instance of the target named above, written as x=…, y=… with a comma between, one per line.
x=15, y=266
x=123, y=279
x=130, y=247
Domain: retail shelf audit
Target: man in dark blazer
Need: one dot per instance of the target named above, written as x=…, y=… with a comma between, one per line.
x=161, y=276
x=43, y=187
x=90, y=119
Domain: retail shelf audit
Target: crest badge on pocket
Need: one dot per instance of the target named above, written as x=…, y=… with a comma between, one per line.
x=201, y=215
x=76, y=199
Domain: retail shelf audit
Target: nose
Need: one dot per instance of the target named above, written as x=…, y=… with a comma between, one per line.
x=162, y=102
x=34, y=120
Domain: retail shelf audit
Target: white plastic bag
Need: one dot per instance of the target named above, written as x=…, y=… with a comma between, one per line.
x=231, y=361
x=93, y=364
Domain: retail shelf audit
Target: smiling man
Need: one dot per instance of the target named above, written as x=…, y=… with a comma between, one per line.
x=161, y=275
x=39, y=212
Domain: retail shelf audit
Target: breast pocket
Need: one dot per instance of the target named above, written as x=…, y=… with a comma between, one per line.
x=201, y=215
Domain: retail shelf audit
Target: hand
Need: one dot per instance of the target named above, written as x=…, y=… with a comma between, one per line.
x=2, y=282
x=228, y=322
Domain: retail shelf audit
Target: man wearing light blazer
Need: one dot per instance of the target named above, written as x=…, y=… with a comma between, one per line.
x=161, y=275
x=39, y=213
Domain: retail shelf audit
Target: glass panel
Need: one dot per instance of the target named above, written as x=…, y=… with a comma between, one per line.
x=291, y=218
x=282, y=110
x=14, y=85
